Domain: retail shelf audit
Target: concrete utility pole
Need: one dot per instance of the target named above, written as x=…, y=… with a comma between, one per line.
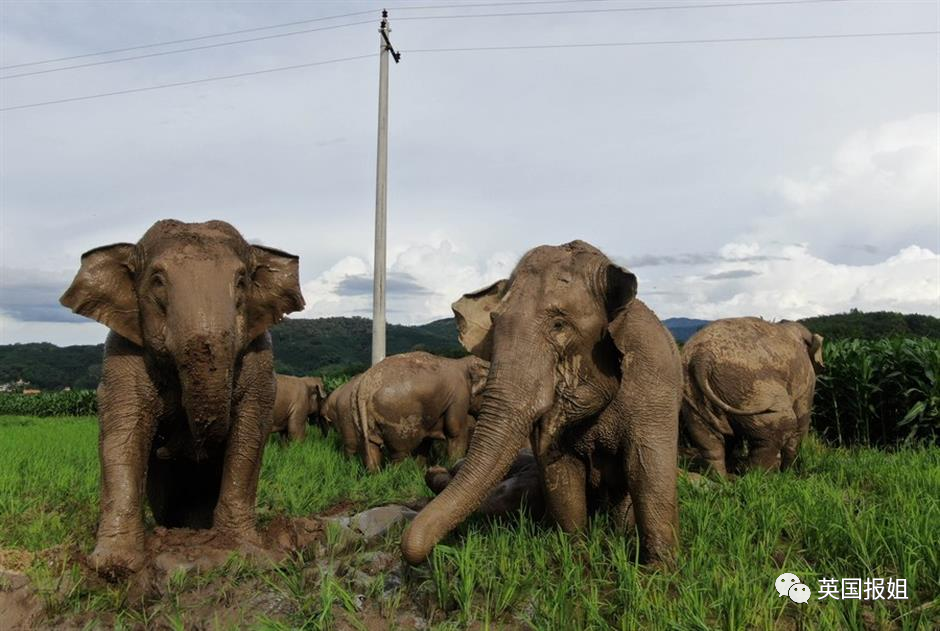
x=381, y=195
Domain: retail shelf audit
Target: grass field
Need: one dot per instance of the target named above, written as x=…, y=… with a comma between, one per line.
x=841, y=513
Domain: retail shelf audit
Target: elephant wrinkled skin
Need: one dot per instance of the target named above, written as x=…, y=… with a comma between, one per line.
x=297, y=403
x=591, y=378
x=749, y=381
x=406, y=400
x=188, y=361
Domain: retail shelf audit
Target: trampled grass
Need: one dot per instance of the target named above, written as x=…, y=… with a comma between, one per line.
x=840, y=513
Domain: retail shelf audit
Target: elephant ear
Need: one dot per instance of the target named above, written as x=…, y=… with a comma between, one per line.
x=275, y=288
x=472, y=313
x=621, y=289
x=315, y=391
x=103, y=290
x=816, y=350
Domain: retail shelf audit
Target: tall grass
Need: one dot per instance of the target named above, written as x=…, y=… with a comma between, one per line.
x=879, y=392
x=838, y=513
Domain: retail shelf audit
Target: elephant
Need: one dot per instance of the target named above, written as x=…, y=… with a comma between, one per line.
x=338, y=411
x=188, y=355
x=749, y=382
x=298, y=401
x=407, y=399
x=586, y=372
x=519, y=489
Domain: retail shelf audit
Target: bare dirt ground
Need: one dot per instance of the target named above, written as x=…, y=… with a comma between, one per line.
x=192, y=580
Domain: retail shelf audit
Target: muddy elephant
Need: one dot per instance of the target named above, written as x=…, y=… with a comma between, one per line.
x=297, y=403
x=188, y=354
x=405, y=401
x=338, y=412
x=589, y=376
x=749, y=383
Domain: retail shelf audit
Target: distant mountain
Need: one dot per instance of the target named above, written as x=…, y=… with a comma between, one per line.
x=334, y=345
x=684, y=328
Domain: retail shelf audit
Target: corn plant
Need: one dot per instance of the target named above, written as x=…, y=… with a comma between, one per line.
x=879, y=392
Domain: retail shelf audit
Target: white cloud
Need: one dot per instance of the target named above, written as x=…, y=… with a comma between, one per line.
x=790, y=282
x=878, y=193
x=423, y=280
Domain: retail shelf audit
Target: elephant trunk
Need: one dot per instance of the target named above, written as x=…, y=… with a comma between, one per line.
x=206, y=376
x=506, y=417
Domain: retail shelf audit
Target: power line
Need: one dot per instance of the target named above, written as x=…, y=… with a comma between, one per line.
x=182, y=83
x=671, y=7
x=185, y=50
x=672, y=41
x=484, y=48
x=358, y=13
x=255, y=29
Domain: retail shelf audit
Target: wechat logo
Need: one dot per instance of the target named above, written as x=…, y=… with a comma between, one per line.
x=788, y=584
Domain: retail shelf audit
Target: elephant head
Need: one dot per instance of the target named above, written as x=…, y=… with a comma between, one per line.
x=547, y=334
x=193, y=296
x=813, y=342
x=316, y=396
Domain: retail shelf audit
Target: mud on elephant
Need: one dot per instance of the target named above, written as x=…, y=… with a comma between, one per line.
x=298, y=402
x=589, y=376
x=188, y=360
x=749, y=383
x=406, y=401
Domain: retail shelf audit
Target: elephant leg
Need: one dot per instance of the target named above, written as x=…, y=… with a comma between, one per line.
x=234, y=514
x=297, y=426
x=650, y=454
x=372, y=456
x=127, y=426
x=621, y=509
x=764, y=447
x=709, y=444
x=458, y=432
x=791, y=445
x=565, y=482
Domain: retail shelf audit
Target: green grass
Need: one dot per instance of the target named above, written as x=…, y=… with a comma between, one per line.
x=852, y=513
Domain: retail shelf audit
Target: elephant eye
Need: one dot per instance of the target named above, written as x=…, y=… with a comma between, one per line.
x=559, y=325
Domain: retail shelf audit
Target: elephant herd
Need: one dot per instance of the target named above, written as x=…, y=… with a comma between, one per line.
x=571, y=400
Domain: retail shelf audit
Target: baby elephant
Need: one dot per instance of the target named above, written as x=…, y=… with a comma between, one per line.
x=298, y=401
x=406, y=399
x=520, y=488
x=749, y=381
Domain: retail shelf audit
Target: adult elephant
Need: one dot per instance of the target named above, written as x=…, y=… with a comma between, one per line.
x=297, y=403
x=188, y=356
x=590, y=376
x=407, y=400
x=751, y=382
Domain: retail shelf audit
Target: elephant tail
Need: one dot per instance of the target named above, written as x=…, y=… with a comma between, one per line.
x=700, y=377
x=360, y=410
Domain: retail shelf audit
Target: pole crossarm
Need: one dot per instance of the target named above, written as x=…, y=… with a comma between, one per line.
x=385, y=30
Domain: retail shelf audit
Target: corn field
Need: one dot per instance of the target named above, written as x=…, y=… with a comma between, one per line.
x=879, y=392
x=64, y=403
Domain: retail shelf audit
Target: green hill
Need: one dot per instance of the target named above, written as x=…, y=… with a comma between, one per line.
x=322, y=345
x=873, y=325
x=341, y=345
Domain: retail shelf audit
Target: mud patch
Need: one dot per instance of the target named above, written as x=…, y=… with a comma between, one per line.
x=20, y=607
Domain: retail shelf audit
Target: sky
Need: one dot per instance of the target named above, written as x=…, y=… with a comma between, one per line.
x=782, y=179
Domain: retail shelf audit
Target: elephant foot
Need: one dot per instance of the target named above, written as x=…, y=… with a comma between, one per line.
x=115, y=560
